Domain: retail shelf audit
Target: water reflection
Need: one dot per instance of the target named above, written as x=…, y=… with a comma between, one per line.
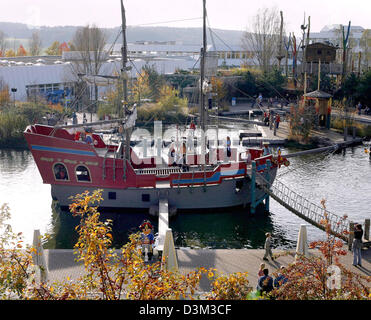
x=216, y=230
x=342, y=178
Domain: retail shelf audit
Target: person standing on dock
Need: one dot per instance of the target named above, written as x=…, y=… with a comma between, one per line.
x=278, y=120
x=267, y=247
x=357, y=245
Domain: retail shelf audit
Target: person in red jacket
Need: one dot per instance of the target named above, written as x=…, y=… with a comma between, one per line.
x=278, y=119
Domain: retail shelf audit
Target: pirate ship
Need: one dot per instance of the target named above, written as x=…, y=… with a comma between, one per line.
x=209, y=177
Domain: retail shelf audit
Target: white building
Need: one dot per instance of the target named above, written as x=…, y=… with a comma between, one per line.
x=58, y=79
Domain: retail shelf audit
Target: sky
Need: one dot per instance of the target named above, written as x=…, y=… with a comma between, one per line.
x=222, y=14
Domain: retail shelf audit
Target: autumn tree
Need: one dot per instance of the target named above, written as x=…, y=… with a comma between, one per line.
x=63, y=48
x=35, y=44
x=21, y=51
x=53, y=50
x=10, y=53
x=313, y=278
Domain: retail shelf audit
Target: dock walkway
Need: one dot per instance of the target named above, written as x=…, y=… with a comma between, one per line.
x=61, y=263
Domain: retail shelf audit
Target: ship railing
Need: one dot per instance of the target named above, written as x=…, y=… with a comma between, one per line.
x=157, y=171
x=304, y=208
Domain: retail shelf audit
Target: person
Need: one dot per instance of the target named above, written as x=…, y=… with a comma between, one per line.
x=278, y=120
x=367, y=110
x=172, y=161
x=265, y=283
x=88, y=138
x=260, y=99
x=269, y=117
x=184, y=157
x=192, y=126
x=147, y=238
x=357, y=245
x=61, y=174
x=229, y=152
x=281, y=279
x=267, y=247
x=266, y=150
x=84, y=120
x=74, y=118
x=262, y=267
x=359, y=106
x=271, y=120
x=77, y=135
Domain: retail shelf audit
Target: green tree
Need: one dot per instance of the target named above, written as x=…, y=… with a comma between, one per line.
x=364, y=88
x=53, y=50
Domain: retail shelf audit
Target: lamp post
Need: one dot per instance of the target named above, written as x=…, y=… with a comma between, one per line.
x=14, y=90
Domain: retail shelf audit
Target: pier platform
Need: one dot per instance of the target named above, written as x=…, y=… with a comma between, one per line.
x=61, y=263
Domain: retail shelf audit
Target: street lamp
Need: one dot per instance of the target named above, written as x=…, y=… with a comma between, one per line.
x=14, y=90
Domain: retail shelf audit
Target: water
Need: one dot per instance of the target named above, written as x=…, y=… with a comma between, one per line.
x=343, y=179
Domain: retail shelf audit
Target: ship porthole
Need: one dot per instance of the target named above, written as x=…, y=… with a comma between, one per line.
x=82, y=174
x=60, y=172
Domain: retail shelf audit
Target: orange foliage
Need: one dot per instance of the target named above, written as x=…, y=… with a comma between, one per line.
x=21, y=51
x=63, y=47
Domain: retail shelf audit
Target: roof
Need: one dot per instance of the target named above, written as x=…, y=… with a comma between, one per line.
x=318, y=94
x=321, y=44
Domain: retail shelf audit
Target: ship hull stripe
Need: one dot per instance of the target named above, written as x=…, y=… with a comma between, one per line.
x=61, y=150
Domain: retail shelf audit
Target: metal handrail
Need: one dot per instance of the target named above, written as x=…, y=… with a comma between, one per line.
x=303, y=207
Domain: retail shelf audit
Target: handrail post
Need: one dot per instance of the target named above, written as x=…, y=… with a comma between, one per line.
x=267, y=177
x=351, y=235
x=253, y=181
x=367, y=229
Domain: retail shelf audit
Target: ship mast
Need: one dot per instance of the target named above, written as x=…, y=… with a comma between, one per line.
x=203, y=113
x=124, y=60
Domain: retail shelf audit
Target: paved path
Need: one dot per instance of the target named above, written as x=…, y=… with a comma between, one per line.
x=61, y=263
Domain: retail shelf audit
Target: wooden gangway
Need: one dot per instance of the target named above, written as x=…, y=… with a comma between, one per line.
x=304, y=208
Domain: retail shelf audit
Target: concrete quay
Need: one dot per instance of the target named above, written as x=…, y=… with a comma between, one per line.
x=61, y=263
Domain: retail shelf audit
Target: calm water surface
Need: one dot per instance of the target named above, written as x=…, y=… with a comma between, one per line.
x=343, y=179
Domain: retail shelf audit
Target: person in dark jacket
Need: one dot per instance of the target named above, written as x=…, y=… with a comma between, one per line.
x=357, y=245
x=265, y=283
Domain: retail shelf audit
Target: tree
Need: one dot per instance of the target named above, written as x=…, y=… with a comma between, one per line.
x=10, y=53
x=365, y=44
x=2, y=44
x=53, y=50
x=262, y=37
x=63, y=48
x=4, y=93
x=310, y=278
x=21, y=51
x=364, y=88
x=89, y=43
x=35, y=44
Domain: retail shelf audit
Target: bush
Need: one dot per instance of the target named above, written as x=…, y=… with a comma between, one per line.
x=12, y=126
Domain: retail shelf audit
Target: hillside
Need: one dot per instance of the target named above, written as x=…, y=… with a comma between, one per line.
x=65, y=33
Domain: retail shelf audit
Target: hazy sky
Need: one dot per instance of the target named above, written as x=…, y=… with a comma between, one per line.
x=223, y=14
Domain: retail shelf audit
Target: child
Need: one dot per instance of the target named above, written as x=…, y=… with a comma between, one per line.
x=262, y=267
